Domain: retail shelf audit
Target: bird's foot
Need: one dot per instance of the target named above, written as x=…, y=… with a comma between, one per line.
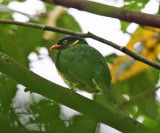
x=73, y=90
x=95, y=96
x=27, y=90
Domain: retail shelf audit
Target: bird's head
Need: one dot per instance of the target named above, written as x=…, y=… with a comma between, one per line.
x=68, y=42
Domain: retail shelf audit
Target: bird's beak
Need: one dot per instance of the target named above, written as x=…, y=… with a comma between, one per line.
x=55, y=47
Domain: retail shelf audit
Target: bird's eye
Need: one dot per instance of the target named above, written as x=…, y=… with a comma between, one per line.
x=65, y=41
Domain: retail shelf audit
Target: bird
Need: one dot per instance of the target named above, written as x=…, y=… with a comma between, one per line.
x=83, y=67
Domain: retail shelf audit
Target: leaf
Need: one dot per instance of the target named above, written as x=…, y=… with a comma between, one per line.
x=111, y=58
x=135, y=4
x=136, y=85
x=131, y=77
x=124, y=25
x=145, y=42
x=5, y=2
x=47, y=114
x=81, y=124
x=158, y=10
x=151, y=123
x=18, y=42
x=7, y=91
x=149, y=107
x=132, y=5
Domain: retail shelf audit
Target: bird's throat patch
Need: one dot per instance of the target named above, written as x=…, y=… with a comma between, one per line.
x=74, y=43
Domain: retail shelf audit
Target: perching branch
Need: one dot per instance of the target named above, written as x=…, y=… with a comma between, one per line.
x=110, y=11
x=141, y=96
x=87, y=35
x=91, y=108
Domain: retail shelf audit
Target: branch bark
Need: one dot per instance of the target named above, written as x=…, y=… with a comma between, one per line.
x=110, y=11
x=87, y=35
x=97, y=112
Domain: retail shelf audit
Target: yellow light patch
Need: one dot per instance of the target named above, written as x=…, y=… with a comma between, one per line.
x=74, y=43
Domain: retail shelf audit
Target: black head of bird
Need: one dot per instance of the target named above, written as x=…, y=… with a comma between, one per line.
x=68, y=42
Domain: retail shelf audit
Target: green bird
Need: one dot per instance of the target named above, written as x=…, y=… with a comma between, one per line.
x=82, y=66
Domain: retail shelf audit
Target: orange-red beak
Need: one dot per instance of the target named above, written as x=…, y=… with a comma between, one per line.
x=55, y=47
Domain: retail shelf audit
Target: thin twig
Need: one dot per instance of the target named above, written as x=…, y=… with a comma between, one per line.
x=86, y=35
x=141, y=96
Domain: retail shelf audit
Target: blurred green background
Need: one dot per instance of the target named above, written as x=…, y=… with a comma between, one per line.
x=133, y=83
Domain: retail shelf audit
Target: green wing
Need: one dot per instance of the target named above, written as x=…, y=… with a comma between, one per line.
x=102, y=79
x=75, y=67
x=85, y=68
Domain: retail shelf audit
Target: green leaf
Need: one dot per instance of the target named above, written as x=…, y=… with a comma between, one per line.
x=140, y=83
x=47, y=114
x=132, y=5
x=135, y=4
x=136, y=85
x=5, y=2
x=124, y=26
x=158, y=10
x=7, y=91
x=150, y=123
x=149, y=107
x=81, y=124
x=18, y=42
x=110, y=58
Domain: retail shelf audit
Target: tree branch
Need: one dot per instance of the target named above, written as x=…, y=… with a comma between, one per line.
x=96, y=111
x=110, y=11
x=87, y=35
x=140, y=96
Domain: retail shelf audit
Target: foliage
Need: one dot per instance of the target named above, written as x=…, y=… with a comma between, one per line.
x=133, y=5
x=130, y=78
